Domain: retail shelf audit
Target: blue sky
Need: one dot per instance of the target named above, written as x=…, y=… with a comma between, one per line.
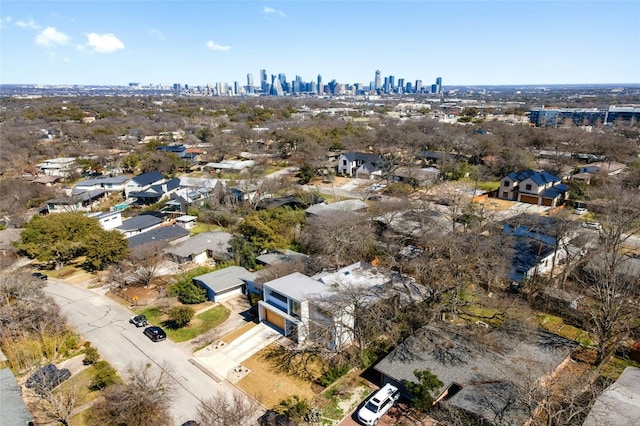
x=204, y=42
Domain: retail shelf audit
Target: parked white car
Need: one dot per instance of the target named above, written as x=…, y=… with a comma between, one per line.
x=378, y=404
x=592, y=225
x=581, y=210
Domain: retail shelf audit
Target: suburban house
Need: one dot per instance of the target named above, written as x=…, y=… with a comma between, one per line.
x=309, y=310
x=155, y=193
x=619, y=404
x=202, y=247
x=415, y=177
x=536, y=245
x=82, y=202
x=293, y=304
x=143, y=182
x=368, y=164
x=109, y=184
x=230, y=165
x=324, y=209
x=225, y=283
x=532, y=187
x=194, y=192
x=63, y=166
x=180, y=150
x=107, y=220
x=604, y=168
x=482, y=370
x=138, y=224
x=168, y=234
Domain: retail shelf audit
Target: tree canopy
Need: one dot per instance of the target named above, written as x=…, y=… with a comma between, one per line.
x=58, y=238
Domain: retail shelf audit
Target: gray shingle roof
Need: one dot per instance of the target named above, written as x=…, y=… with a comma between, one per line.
x=225, y=279
x=148, y=178
x=217, y=242
x=14, y=410
x=475, y=361
x=141, y=221
x=164, y=234
x=619, y=404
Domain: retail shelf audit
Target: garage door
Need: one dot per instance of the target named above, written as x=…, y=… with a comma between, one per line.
x=275, y=319
x=547, y=201
x=528, y=199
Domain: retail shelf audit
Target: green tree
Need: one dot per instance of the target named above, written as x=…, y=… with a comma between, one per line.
x=104, y=375
x=188, y=292
x=306, y=173
x=105, y=248
x=244, y=253
x=181, y=316
x=422, y=390
x=59, y=238
x=272, y=228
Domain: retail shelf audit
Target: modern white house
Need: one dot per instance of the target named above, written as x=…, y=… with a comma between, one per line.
x=294, y=304
x=109, y=184
x=108, y=220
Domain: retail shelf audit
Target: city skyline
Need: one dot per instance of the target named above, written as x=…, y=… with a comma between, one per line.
x=206, y=42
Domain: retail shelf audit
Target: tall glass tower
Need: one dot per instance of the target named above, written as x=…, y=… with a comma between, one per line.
x=378, y=80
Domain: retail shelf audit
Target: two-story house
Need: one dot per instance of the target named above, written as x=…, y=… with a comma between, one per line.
x=350, y=162
x=109, y=184
x=293, y=304
x=143, y=182
x=533, y=187
x=63, y=166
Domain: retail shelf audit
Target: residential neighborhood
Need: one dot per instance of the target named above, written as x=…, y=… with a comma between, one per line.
x=287, y=266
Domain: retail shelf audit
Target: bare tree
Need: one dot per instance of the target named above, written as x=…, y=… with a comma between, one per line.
x=228, y=410
x=144, y=400
x=339, y=239
x=59, y=405
x=607, y=277
x=147, y=262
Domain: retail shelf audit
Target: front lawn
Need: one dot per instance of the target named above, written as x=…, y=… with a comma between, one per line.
x=267, y=383
x=200, y=324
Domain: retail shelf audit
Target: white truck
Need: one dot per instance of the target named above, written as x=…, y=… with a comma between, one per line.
x=378, y=404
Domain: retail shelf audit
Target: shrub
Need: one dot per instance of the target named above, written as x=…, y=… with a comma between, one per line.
x=333, y=374
x=104, y=375
x=91, y=354
x=188, y=292
x=181, y=315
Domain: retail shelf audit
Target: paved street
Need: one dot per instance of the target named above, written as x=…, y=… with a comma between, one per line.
x=106, y=324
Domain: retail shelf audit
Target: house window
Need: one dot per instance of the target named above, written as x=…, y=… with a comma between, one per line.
x=528, y=187
x=506, y=183
x=505, y=194
x=344, y=162
x=294, y=308
x=278, y=296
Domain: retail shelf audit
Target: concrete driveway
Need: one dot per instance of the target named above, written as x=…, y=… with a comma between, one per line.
x=224, y=361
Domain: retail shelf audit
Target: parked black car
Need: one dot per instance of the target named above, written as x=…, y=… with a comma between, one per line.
x=47, y=378
x=139, y=321
x=40, y=275
x=155, y=333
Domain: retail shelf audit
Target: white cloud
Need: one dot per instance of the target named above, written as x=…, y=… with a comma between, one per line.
x=104, y=43
x=49, y=37
x=215, y=46
x=158, y=34
x=271, y=11
x=28, y=24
